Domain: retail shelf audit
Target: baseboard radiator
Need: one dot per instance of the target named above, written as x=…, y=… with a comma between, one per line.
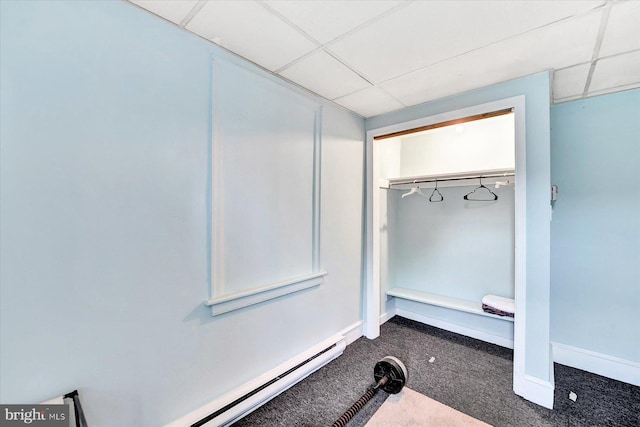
x=245, y=399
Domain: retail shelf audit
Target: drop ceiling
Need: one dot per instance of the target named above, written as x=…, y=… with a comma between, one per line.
x=373, y=57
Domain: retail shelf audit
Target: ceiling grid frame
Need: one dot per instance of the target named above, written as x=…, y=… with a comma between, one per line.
x=291, y=24
x=301, y=21
x=498, y=42
x=328, y=44
x=596, y=49
x=192, y=13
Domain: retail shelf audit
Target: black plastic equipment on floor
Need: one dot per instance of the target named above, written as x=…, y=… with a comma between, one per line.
x=390, y=375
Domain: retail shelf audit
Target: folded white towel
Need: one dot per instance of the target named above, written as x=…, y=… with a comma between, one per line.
x=501, y=303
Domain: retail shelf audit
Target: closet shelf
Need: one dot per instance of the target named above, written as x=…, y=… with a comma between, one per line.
x=443, y=301
x=448, y=177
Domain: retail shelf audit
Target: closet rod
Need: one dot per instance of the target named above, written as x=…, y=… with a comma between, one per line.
x=424, y=180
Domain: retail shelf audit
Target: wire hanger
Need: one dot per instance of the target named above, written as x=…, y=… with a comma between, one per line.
x=433, y=193
x=493, y=196
x=414, y=190
x=507, y=182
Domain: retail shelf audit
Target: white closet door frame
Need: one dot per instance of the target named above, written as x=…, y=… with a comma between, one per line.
x=374, y=205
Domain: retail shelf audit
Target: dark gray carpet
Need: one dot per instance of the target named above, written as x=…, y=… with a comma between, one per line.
x=469, y=375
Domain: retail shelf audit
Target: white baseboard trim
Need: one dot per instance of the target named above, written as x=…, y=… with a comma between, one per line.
x=263, y=396
x=602, y=364
x=387, y=315
x=534, y=390
x=352, y=332
x=462, y=330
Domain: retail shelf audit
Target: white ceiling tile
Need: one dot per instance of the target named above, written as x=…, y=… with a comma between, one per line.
x=555, y=46
x=428, y=32
x=251, y=31
x=326, y=20
x=615, y=89
x=619, y=70
x=325, y=76
x=569, y=82
x=172, y=10
x=423, y=50
x=428, y=84
x=369, y=102
x=623, y=29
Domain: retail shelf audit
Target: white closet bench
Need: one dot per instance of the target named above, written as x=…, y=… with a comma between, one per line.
x=474, y=307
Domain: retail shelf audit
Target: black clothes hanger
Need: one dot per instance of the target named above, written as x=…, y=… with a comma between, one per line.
x=493, y=196
x=433, y=193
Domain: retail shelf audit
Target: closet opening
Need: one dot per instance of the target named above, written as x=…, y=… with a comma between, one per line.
x=446, y=217
x=448, y=221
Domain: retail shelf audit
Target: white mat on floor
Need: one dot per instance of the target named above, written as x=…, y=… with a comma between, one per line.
x=412, y=409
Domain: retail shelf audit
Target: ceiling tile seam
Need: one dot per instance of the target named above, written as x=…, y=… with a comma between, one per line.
x=353, y=92
x=596, y=49
x=577, y=64
x=328, y=52
x=367, y=88
x=618, y=88
x=613, y=55
x=357, y=28
x=566, y=99
x=424, y=67
x=587, y=83
x=295, y=61
x=391, y=95
x=192, y=13
x=343, y=35
x=288, y=22
x=236, y=55
x=334, y=56
x=353, y=69
x=306, y=89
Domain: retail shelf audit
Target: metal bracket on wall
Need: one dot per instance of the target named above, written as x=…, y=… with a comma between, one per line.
x=554, y=193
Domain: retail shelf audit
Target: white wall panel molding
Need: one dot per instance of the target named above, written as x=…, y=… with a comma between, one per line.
x=238, y=300
x=265, y=189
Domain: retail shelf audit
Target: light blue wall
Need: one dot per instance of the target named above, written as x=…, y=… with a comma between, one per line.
x=536, y=90
x=456, y=248
x=105, y=139
x=595, y=232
